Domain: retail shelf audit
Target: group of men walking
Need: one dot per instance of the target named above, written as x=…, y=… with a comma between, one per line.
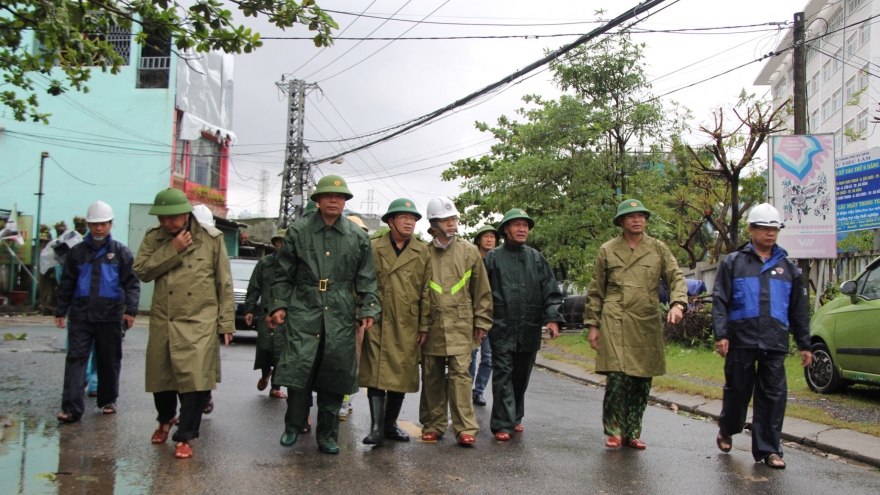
x=438, y=308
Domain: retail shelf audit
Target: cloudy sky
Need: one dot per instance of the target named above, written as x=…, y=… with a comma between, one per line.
x=369, y=85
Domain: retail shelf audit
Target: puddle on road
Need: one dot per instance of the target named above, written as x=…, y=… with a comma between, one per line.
x=37, y=459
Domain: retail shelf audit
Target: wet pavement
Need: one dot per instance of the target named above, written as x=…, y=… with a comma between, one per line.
x=560, y=452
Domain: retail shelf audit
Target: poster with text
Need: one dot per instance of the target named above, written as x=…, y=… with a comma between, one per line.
x=858, y=191
x=803, y=182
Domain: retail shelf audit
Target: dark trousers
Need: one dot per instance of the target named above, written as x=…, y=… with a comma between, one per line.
x=482, y=374
x=299, y=402
x=760, y=373
x=510, y=379
x=266, y=370
x=107, y=339
x=191, y=406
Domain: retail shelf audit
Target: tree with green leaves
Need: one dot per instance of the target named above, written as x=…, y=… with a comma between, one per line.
x=570, y=161
x=72, y=37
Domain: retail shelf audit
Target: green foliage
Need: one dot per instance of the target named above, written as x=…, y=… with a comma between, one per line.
x=862, y=240
x=70, y=35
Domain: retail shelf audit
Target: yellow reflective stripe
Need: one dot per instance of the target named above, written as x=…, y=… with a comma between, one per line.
x=458, y=286
x=436, y=287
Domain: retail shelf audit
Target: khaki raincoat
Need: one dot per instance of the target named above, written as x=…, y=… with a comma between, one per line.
x=321, y=268
x=461, y=299
x=192, y=303
x=390, y=355
x=624, y=302
x=257, y=303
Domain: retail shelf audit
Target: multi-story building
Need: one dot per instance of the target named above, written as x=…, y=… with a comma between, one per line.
x=162, y=121
x=841, y=75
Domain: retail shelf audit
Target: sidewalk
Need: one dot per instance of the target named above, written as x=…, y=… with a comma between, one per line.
x=844, y=443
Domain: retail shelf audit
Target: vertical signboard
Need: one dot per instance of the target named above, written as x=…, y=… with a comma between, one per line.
x=23, y=251
x=858, y=191
x=803, y=188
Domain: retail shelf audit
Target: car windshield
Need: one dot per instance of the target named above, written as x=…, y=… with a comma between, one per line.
x=241, y=270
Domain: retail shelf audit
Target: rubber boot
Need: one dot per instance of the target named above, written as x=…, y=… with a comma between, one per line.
x=392, y=411
x=327, y=430
x=377, y=413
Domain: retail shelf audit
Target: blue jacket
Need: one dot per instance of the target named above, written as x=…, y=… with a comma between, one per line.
x=756, y=304
x=97, y=283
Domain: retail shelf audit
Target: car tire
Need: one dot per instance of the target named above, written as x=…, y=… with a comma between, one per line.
x=822, y=375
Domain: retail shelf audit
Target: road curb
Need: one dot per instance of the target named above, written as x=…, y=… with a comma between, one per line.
x=844, y=443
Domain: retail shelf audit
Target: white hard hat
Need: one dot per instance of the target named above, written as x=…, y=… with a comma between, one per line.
x=765, y=215
x=99, y=212
x=441, y=207
x=203, y=214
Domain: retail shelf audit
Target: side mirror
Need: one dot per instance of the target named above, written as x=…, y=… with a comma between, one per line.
x=848, y=288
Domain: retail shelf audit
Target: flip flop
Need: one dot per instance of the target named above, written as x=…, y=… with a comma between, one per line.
x=724, y=442
x=774, y=461
x=109, y=409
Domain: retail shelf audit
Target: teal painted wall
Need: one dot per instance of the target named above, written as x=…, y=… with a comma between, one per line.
x=117, y=138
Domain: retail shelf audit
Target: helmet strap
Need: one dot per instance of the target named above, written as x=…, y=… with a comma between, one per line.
x=436, y=224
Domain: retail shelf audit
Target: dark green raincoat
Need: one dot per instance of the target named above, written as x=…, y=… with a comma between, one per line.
x=320, y=270
x=257, y=304
x=525, y=296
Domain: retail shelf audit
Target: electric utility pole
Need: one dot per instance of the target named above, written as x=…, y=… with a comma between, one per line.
x=295, y=173
x=800, y=76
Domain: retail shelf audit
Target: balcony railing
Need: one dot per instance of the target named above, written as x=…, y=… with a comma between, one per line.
x=153, y=72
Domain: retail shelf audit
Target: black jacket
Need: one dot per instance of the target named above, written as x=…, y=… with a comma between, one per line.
x=756, y=304
x=97, y=283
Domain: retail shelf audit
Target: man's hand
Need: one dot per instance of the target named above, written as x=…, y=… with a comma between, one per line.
x=129, y=321
x=249, y=319
x=479, y=335
x=553, y=329
x=270, y=323
x=806, y=358
x=365, y=323
x=593, y=337
x=675, y=314
x=423, y=336
x=182, y=240
x=279, y=316
x=721, y=347
x=59, y=322
x=227, y=338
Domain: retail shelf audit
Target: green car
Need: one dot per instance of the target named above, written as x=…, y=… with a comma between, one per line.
x=845, y=336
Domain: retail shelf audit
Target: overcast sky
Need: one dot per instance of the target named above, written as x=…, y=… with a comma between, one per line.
x=409, y=78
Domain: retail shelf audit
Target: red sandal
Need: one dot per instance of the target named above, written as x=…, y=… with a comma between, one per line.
x=613, y=442
x=184, y=451
x=161, y=434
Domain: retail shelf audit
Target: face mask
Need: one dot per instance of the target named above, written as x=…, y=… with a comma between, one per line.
x=99, y=239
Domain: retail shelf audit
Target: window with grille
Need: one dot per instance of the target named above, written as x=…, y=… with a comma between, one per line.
x=204, y=162
x=154, y=66
x=180, y=153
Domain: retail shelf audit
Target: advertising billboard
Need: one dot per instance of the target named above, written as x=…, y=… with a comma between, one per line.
x=23, y=251
x=802, y=179
x=858, y=191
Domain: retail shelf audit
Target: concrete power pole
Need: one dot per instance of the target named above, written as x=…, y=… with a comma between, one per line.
x=295, y=173
x=800, y=76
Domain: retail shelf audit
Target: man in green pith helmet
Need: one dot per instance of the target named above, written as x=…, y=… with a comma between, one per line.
x=622, y=312
x=525, y=297
x=257, y=309
x=192, y=303
x=486, y=239
x=311, y=207
x=389, y=365
x=461, y=310
x=324, y=263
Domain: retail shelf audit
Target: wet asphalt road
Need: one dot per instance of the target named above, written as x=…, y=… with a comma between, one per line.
x=560, y=452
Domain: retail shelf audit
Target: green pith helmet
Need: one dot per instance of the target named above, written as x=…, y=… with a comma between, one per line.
x=278, y=235
x=170, y=202
x=332, y=184
x=482, y=230
x=515, y=214
x=630, y=206
x=401, y=205
x=311, y=207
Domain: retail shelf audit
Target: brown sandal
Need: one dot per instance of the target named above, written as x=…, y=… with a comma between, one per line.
x=613, y=442
x=161, y=434
x=183, y=451
x=774, y=461
x=724, y=442
x=636, y=444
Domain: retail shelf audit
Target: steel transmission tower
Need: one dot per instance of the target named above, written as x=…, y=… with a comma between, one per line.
x=369, y=202
x=294, y=177
x=263, y=205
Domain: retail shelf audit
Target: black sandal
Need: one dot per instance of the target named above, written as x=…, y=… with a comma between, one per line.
x=66, y=418
x=109, y=409
x=721, y=440
x=774, y=461
x=209, y=407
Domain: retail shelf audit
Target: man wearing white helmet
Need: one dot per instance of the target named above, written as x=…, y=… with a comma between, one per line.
x=461, y=302
x=757, y=302
x=100, y=290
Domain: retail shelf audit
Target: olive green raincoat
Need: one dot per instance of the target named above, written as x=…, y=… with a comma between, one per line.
x=320, y=270
x=624, y=302
x=390, y=355
x=461, y=299
x=257, y=304
x=192, y=303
